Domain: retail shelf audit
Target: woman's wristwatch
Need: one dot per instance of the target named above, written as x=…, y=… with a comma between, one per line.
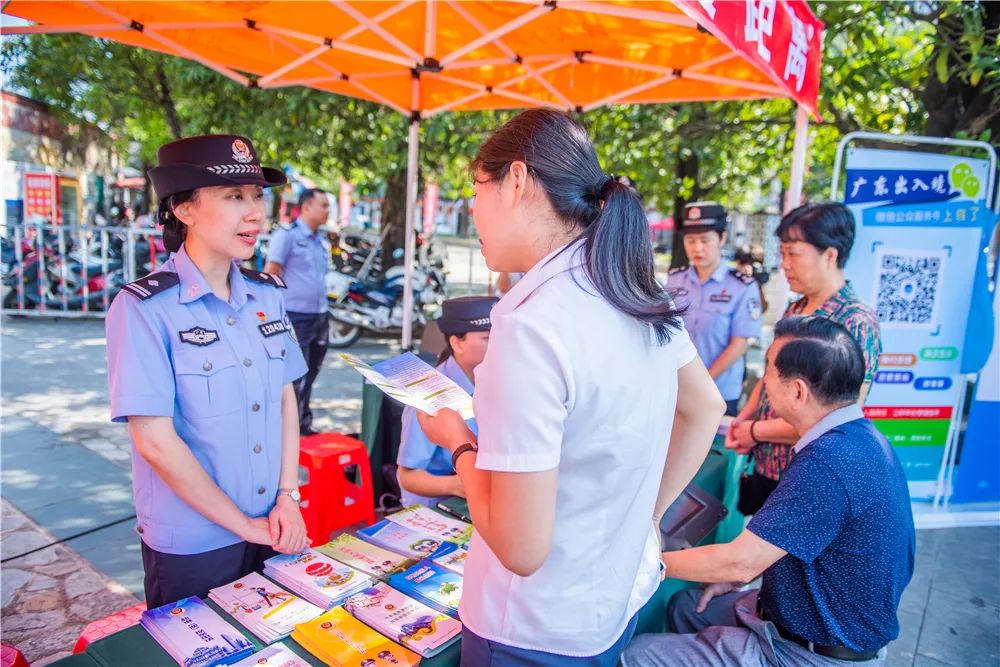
x=467, y=447
x=291, y=493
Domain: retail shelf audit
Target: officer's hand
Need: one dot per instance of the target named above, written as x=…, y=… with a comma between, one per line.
x=446, y=429
x=257, y=531
x=714, y=590
x=287, y=529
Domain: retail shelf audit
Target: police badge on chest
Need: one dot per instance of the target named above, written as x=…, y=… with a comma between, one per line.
x=273, y=328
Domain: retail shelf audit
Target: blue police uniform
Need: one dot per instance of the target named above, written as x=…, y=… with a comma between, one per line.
x=217, y=369
x=304, y=261
x=417, y=452
x=727, y=305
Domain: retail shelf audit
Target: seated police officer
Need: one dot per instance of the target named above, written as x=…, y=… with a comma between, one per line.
x=424, y=469
x=723, y=304
x=835, y=540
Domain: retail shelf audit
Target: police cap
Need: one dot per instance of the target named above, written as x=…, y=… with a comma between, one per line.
x=466, y=314
x=704, y=216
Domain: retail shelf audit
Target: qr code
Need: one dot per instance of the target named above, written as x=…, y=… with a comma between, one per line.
x=908, y=286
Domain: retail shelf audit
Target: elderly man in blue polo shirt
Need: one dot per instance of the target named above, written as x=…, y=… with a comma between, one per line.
x=296, y=253
x=835, y=541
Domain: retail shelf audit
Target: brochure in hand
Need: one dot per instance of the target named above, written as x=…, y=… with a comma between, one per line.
x=403, y=619
x=275, y=655
x=364, y=556
x=402, y=540
x=263, y=607
x=339, y=639
x=431, y=584
x=194, y=635
x=425, y=520
x=416, y=383
x=315, y=577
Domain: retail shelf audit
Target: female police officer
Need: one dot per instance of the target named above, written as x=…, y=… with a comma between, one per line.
x=722, y=305
x=200, y=361
x=425, y=472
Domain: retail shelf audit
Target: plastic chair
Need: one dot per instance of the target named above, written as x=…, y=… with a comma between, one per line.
x=109, y=625
x=337, y=491
x=11, y=657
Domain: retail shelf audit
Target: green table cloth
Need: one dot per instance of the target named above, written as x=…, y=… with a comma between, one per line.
x=719, y=475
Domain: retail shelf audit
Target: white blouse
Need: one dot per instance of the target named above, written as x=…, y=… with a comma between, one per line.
x=569, y=382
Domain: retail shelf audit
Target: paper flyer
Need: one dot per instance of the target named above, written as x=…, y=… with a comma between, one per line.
x=413, y=382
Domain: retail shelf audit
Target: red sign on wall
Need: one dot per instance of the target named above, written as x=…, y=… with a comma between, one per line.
x=40, y=198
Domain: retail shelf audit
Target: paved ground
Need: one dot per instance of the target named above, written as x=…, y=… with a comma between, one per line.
x=69, y=554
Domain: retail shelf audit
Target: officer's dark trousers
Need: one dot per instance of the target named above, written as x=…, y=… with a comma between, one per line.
x=173, y=577
x=313, y=331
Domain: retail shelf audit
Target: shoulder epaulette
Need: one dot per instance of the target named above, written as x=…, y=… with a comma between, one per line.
x=679, y=269
x=151, y=285
x=266, y=278
x=744, y=278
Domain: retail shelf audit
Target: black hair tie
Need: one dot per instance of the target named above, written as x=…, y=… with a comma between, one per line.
x=607, y=186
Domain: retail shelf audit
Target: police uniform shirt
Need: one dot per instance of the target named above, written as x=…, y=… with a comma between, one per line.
x=727, y=305
x=304, y=264
x=417, y=452
x=217, y=368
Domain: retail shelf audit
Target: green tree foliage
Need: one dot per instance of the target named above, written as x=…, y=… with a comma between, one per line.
x=897, y=66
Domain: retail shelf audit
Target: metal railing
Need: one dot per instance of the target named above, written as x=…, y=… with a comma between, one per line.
x=54, y=270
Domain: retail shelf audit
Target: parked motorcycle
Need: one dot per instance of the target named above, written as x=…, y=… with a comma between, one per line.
x=377, y=306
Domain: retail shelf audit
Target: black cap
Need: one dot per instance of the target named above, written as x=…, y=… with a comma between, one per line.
x=704, y=216
x=210, y=160
x=466, y=314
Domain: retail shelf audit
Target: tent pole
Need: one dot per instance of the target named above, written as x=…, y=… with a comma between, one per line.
x=410, y=247
x=793, y=196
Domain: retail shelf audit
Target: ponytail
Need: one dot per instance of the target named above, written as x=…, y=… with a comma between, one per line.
x=174, y=231
x=619, y=253
x=620, y=261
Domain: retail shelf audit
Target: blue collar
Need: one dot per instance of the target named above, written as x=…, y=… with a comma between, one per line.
x=451, y=368
x=719, y=275
x=194, y=286
x=838, y=417
x=305, y=228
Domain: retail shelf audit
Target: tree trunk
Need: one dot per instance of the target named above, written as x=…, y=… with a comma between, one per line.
x=394, y=216
x=686, y=167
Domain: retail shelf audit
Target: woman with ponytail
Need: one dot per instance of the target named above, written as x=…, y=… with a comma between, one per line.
x=201, y=357
x=594, y=410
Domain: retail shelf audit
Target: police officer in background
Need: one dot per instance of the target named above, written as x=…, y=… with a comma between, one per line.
x=723, y=304
x=296, y=253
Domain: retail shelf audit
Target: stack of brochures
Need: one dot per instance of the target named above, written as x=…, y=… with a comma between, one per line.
x=339, y=639
x=275, y=655
x=364, y=556
x=194, y=635
x=262, y=607
x=431, y=584
x=403, y=619
x=453, y=559
x=401, y=539
x=317, y=578
x=423, y=519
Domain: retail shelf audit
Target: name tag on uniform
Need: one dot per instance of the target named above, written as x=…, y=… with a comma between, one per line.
x=721, y=298
x=199, y=336
x=273, y=328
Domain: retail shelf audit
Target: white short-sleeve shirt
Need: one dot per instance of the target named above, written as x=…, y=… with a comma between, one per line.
x=569, y=382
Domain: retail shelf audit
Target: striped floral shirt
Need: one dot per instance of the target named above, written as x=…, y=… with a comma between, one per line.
x=844, y=307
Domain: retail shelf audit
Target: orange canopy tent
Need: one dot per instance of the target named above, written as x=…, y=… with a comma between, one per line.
x=424, y=57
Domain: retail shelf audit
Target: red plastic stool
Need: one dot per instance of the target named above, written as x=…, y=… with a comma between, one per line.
x=109, y=625
x=11, y=657
x=329, y=499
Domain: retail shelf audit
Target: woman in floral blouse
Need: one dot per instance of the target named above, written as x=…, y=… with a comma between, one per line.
x=816, y=241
